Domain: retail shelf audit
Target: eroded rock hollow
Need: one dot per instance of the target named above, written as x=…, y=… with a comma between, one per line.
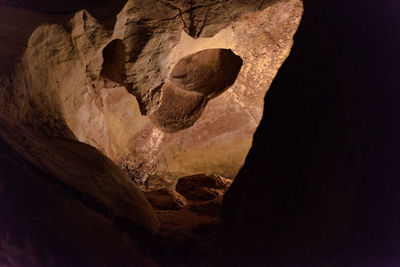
x=194, y=80
x=175, y=105
x=97, y=97
x=96, y=101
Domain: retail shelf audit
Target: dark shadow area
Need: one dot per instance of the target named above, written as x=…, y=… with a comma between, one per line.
x=320, y=186
x=45, y=222
x=105, y=11
x=59, y=7
x=114, y=61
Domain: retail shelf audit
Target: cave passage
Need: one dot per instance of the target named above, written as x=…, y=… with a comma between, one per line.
x=75, y=134
x=194, y=80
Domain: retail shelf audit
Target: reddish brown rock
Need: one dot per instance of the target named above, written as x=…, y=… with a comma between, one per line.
x=165, y=199
x=179, y=109
x=145, y=43
x=207, y=72
x=66, y=83
x=194, y=80
x=202, y=187
x=179, y=134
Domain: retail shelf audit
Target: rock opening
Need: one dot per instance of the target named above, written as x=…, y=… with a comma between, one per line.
x=113, y=66
x=193, y=81
x=131, y=133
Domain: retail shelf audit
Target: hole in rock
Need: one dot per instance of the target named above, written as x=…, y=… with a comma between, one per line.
x=113, y=66
x=193, y=81
x=185, y=154
x=208, y=72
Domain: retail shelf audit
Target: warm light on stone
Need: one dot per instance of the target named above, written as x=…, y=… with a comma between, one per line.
x=216, y=133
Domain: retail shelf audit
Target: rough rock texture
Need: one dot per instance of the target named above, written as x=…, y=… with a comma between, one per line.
x=63, y=201
x=188, y=232
x=33, y=123
x=177, y=137
x=207, y=72
x=194, y=80
x=165, y=199
x=320, y=186
x=151, y=29
x=179, y=108
x=46, y=222
x=19, y=20
x=202, y=187
x=67, y=82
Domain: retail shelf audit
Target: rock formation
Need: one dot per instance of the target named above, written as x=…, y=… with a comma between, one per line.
x=155, y=138
x=94, y=94
x=139, y=133
x=194, y=80
x=85, y=99
x=47, y=222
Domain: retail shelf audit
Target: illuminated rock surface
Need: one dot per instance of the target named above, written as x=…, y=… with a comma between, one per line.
x=178, y=126
x=320, y=186
x=163, y=130
x=92, y=78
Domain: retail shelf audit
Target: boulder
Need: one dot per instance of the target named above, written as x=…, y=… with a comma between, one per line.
x=202, y=187
x=165, y=199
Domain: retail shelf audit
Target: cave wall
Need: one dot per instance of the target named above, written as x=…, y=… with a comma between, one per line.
x=80, y=202
x=320, y=185
x=63, y=202
x=218, y=138
x=111, y=111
